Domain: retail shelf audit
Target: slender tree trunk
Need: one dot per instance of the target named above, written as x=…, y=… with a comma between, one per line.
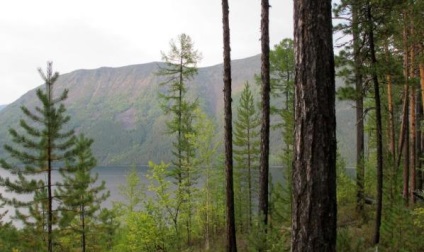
x=360, y=166
x=231, y=245
x=391, y=133
x=392, y=136
x=414, y=142
x=49, y=160
x=405, y=191
x=420, y=173
x=413, y=133
x=418, y=141
x=314, y=215
x=207, y=246
x=422, y=80
x=83, y=234
x=249, y=171
x=378, y=126
x=265, y=76
x=403, y=127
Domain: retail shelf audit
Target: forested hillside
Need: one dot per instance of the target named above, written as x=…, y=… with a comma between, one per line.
x=119, y=108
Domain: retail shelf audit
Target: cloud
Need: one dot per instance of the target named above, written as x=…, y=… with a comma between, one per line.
x=90, y=34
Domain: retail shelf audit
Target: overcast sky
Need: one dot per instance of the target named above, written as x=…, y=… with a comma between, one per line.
x=88, y=34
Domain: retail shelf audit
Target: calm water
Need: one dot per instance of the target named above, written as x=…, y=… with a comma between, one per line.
x=115, y=176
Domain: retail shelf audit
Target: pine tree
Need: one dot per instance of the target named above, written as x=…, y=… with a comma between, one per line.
x=41, y=145
x=246, y=155
x=81, y=196
x=282, y=91
x=351, y=62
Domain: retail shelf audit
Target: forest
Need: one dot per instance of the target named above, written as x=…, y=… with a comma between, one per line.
x=218, y=194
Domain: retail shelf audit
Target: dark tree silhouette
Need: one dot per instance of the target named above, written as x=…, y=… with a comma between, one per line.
x=230, y=226
x=266, y=88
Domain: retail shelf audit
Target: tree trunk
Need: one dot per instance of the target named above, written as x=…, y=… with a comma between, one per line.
x=83, y=228
x=360, y=166
x=314, y=215
x=413, y=136
x=392, y=137
x=49, y=150
x=420, y=142
x=265, y=76
x=419, y=110
x=391, y=133
x=405, y=191
x=379, y=132
x=413, y=121
x=231, y=245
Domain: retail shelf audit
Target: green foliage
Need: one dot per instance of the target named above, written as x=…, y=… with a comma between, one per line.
x=274, y=239
x=132, y=192
x=180, y=66
x=164, y=205
x=345, y=184
x=81, y=196
x=246, y=156
x=40, y=145
x=345, y=242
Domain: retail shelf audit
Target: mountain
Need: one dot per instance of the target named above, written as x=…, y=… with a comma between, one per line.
x=119, y=109
x=2, y=107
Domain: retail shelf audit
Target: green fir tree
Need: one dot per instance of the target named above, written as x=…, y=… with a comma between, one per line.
x=81, y=195
x=246, y=155
x=41, y=145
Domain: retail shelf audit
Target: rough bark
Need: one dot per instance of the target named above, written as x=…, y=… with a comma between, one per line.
x=314, y=206
x=231, y=245
x=266, y=89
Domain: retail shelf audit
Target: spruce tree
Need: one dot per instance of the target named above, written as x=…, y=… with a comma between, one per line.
x=246, y=155
x=81, y=195
x=282, y=91
x=40, y=145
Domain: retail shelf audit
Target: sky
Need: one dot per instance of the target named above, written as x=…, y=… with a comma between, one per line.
x=88, y=34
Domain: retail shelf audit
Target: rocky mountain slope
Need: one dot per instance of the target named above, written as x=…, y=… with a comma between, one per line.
x=119, y=109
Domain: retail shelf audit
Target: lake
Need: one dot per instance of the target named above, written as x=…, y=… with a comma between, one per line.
x=115, y=176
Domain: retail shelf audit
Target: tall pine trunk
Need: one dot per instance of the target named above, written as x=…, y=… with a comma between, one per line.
x=314, y=215
x=405, y=122
x=231, y=245
x=265, y=76
x=359, y=102
x=413, y=136
x=379, y=132
x=420, y=142
x=413, y=121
